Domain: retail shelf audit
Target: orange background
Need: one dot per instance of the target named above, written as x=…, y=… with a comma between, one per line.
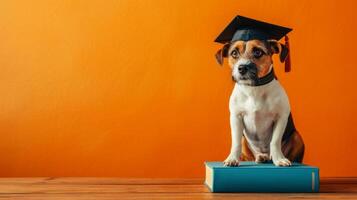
x=132, y=89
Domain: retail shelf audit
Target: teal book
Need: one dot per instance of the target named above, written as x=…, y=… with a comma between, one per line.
x=262, y=177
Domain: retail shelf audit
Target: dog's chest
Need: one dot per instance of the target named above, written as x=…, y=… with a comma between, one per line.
x=258, y=109
x=258, y=116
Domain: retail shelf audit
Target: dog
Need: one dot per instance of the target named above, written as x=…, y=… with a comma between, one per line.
x=261, y=124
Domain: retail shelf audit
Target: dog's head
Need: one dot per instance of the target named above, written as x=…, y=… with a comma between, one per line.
x=251, y=60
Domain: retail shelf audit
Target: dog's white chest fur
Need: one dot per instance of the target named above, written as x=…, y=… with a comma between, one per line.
x=259, y=107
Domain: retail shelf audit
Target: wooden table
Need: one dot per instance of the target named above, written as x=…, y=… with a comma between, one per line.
x=118, y=188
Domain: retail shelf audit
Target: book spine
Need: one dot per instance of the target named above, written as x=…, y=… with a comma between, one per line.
x=268, y=180
x=315, y=180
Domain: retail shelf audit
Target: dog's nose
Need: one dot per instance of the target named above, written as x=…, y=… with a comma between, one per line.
x=242, y=69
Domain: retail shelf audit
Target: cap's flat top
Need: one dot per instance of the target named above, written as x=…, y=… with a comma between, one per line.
x=244, y=28
x=253, y=165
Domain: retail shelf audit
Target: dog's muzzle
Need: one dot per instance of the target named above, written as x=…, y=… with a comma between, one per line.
x=247, y=71
x=242, y=69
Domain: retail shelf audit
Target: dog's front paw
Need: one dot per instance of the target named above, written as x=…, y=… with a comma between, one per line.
x=278, y=157
x=282, y=162
x=231, y=161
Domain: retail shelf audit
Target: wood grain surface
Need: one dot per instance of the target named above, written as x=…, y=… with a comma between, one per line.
x=119, y=188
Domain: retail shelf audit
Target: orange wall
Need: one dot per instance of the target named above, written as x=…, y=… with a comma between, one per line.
x=131, y=88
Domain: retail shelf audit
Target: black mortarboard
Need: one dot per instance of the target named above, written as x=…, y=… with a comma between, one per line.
x=243, y=28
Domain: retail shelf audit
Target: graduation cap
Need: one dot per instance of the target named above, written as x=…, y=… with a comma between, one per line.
x=243, y=28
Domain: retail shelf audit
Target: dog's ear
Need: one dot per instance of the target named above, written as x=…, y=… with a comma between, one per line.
x=222, y=53
x=274, y=46
x=284, y=53
x=277, y=48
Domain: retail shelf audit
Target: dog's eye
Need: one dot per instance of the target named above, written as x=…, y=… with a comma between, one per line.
x=234, y=53
x=257, y=53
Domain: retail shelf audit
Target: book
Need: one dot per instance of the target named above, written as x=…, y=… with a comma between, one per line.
x=262, y=177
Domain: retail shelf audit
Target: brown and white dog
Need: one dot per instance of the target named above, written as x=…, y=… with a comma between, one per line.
x=259, y=115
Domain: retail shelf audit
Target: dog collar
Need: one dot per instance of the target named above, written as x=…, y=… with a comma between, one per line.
x=265, y=79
